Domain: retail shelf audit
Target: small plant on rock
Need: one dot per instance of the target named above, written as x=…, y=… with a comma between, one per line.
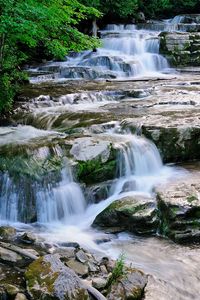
x=118, y=270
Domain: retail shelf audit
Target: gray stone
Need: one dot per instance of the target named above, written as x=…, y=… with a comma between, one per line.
x=78, y=267
x=99, y=283
x=48, y=278
x=11, y=289
x=136, y=214
x=179, y=205
x=86, y=148
x=9, y=256
x=65, y=253
x=20, y=296
x=7, y=232
x=81, y=256
x=28, y=238
x=130, y=285
x=92, y=267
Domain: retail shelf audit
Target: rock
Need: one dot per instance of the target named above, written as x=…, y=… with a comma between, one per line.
x=11, y=278
x=2, y=293
x=85, y=149
x=20, y=296
x=70, y=245
x=175, y=134
x=98, y=192
x=65, y=253
x=180, y=47
x=140, y=17
x=136, y=214
x=103, y=269
x=128, y=286
x=79, y=268
x=81, y=256
x=28, y=253
x=48, y=278
x=28, y=238
x=179, y=205
x=92, y=267
x=96, y=160
x=175, y=143
x=11, y=289
x=99, y=283
x=9, y=256
x=7, y=232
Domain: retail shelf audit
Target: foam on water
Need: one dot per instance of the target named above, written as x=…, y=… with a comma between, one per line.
x=125, y=52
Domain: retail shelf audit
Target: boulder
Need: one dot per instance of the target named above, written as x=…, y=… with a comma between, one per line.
x=20, y=296
x=7, y=232
x=99, y=283
x=180, y=143
x=129, y=286
x=9, y=256
x=78, y=267
x=179, y=205
x=48, y=278
x=95, y=158
x=137, y=214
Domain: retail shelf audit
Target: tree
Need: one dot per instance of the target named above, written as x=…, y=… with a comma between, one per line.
x=115, y=8
x=155, y=8
x=185, y=6
x=26, y=25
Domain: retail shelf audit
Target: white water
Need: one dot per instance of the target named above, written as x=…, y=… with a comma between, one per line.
x=62, y=202
x=140, y=169
x=125, y=52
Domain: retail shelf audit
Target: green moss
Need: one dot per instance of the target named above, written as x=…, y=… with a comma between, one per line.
x=94, y=171
x=30, y=166
x=39, y=272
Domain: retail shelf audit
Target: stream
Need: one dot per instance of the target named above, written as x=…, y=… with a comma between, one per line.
x=58, y=209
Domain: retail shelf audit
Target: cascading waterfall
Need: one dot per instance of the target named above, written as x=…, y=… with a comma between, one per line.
x=139, y=165
x=140, y=168
x=61, y=202
x=125, y=52
x=47, y=202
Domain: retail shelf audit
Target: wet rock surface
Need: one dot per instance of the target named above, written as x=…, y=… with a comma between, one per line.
x=134, y=213
x=59, y=275
x=179, y=206
x=182, y=48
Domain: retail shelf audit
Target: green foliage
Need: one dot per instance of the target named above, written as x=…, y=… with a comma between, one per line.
x=184, y=6
x=26, y=25
x=114, y=8
x=155, y=8
x=118, y=270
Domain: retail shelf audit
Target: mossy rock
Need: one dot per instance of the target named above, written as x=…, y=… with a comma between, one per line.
x=49, y=279
x=129, y=286
x=7, y=232
x=175, y=143
x=135, y=214
x=96, y=160
x=179, y=211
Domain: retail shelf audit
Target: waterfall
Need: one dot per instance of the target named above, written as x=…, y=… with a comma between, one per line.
x=125, y=52
x=139, y=164
x=46, y=202
x=61, y=202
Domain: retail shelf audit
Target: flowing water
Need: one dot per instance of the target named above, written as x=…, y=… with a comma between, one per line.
x=64, y=215
x=58, y=206
x=125, y=52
